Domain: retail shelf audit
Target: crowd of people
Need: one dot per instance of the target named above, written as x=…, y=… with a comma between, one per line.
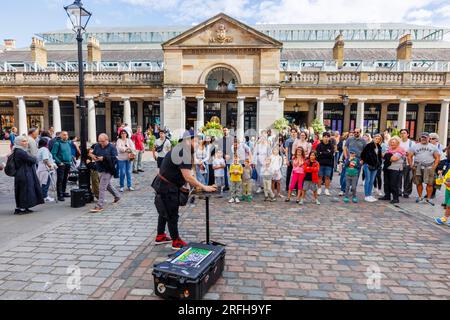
x=306, y=162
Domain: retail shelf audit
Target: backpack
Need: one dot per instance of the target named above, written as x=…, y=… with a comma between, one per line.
x=10, y=168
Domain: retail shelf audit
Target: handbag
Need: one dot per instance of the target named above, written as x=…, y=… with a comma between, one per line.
x=254, y=174
x=131, y=156
x=183, y=193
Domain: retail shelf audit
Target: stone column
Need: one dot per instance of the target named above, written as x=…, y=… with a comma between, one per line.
x=258, y=106
x=360, y=115
x=56, y=114
x=140, y=114
x=401, y=124
x=161, y=112
x=183, y=113
x=92, y=117
x=200, y=113
x=383, y=117
x=443, y=122
x=240, y=118
x=320, y=109
x=108, y=113
x=23, y=127
x=46, y=114
x=127, y=111
x=311, y=112
x=420, y=118
x=347, y=112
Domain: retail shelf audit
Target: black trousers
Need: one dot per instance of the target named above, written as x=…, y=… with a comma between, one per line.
x=288, y=176
x=167, y=205
x=377, y=182
x=211, y=180
x=391, y=184
x=406, y=181
x=62, y=174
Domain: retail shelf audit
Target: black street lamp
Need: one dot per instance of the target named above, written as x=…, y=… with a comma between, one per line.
x=79, y=17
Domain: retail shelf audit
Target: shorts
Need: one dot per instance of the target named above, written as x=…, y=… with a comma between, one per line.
x=325, y=172
x=425, y=175
x=309, y=185
x=276, y=176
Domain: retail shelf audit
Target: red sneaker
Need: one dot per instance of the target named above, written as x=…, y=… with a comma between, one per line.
x=178, y=244
x=162, y=239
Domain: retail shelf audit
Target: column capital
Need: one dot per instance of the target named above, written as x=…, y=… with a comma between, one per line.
x=241, y=98
x=445, y=100
x=282, y=99
x=405, y=100
x=198, y=98
x=362, y=99
x=53, y=98
x=20, y=98
x=89, y=97
x=320, y=100
x=126, y=98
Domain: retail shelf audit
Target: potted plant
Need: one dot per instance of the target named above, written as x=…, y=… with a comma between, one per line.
x=318, y=126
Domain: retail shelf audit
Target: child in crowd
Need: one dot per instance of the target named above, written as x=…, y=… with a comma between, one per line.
x=351, y=176
x=236, y=172
x=446, y=181
x=219, y=171
x=276, y=163
x=311, y=181
x=247, y=182
x=266, y=175
x=298, y=174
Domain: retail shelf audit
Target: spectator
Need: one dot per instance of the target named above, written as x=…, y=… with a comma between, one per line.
x=27, y=188
x=46, y=167
x=261, y=152
x=288, y=145
x=201, y=157
x=52, y=142
x=161, y=148
x=126, y=150
x=33, y=134
x=105, y=157
x=62, y=153
x=393, y=168
x=372, y=158
x=351, y=174
x=444, y=167
x=434, y=140
x=95, y=178
x=302, y=141
x=325, y=156
x=406, y=177
x=12, y=136
x=138, y=140
x=128, y=129
x=424, y=158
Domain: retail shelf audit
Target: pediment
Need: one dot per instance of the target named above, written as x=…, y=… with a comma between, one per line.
x=219, y=32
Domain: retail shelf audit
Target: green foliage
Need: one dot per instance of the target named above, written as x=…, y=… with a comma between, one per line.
x=213, y=129
x=281, y=124
x=151, y=142
x=318, y=126
x=174, y=142
x=395, y=132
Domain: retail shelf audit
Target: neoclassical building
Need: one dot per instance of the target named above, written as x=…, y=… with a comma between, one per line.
x=375, y=77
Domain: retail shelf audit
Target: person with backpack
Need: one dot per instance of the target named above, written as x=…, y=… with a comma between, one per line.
x=62, y=154
x=105, y=157
x=22, y=166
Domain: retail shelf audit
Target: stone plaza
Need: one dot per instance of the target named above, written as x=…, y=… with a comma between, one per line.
x=275, y=251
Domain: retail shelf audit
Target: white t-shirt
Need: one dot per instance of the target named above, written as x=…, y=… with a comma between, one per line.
x=219, y=162
x=165, y=150
x=407, y=145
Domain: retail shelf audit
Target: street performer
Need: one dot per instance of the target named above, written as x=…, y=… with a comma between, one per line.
x=171, y=193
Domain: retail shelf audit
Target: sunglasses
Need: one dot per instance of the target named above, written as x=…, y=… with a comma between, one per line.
x=432, y=138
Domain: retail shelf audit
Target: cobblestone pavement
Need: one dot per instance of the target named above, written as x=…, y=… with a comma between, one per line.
x=37, y=267
x=274, y=250
x=284, y=251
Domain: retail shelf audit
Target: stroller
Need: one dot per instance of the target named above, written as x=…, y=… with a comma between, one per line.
x=53, y=185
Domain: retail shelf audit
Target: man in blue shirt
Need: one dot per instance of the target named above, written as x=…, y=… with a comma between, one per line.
x=105, y=157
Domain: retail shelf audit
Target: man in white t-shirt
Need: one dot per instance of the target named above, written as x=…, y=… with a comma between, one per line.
x=406, y=177
x=162, y=148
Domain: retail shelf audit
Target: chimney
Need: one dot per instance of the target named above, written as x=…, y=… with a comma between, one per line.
x=9, y=44
x=338, y=50
x=404, y=49
x=94, y=51
x=38, y=52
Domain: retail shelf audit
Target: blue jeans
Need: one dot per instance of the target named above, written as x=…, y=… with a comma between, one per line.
x=125, y=170
x=45, y=188
x=202, y=177
x=344, y=182
x=370, y=176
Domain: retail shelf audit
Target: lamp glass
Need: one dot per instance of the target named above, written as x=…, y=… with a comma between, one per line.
x=78, y=15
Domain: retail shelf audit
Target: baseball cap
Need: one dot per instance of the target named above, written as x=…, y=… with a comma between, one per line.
x=352, y=151
x=425, y=134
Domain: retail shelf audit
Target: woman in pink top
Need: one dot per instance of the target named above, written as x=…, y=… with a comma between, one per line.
x=298, y=173
x=302, y=141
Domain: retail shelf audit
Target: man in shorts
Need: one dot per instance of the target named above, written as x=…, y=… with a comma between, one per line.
x=424, y=158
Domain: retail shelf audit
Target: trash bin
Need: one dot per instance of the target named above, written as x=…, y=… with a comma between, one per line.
x=77, y=198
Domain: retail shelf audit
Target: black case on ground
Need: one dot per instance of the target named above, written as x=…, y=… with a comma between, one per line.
x=189, y=283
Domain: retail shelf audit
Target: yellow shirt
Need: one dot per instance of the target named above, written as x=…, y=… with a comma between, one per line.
x=236, y=177
x=447, y=178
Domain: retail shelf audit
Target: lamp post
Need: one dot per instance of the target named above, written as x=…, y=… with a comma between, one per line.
x=79, y=17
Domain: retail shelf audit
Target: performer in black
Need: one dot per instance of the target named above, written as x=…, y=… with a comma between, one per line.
x=175, y=172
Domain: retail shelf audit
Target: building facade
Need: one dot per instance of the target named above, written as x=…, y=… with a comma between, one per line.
x=374, y=77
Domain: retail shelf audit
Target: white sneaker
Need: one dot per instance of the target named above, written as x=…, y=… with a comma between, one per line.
x=259, y=190
x=318, y=202
x=49, y=199
x=327, y=192
x=341, y=193
x=131, y=189
x=121, y=190
x=370, y=199
x=231, y=200
x=237, y=200
x=380, y=193
x=281, y=196
x=374, y=199
x=319, y=192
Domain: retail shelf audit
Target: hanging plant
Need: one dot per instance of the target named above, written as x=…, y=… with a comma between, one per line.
x=281, y=124
x=213, y=129
x=318, y=126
